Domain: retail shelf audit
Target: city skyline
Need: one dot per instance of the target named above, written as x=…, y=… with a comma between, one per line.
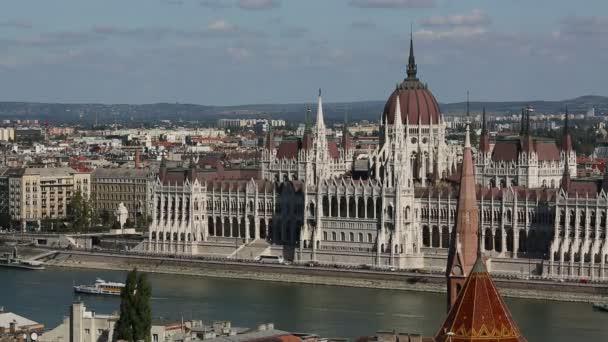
x=219, y=52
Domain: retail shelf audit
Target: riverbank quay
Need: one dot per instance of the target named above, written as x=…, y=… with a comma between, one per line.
x=393, y=280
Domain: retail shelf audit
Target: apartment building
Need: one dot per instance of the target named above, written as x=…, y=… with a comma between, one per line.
x=112, y=186
x=36, y=194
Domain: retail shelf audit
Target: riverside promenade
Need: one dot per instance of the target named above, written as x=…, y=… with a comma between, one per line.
x=380, y=279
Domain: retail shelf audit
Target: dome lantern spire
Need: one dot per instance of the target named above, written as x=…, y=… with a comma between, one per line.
x=411, y=63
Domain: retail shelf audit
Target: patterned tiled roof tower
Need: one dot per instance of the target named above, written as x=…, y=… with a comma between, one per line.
x=463, y=249
x=479, y=313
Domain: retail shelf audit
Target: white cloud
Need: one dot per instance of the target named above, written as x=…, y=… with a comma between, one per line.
x=216, y=4
x=457, y=32
x=221, y=26
x=259, y=4
x=477, y=17
x=238, y=53
x=392, y=3
x=584, y=26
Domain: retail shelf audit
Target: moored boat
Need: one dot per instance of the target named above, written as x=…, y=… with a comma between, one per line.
x=13, y=260
x=101, y=287
x=601, y=307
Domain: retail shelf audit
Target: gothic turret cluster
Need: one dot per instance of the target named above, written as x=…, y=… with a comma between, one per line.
x=524, y=160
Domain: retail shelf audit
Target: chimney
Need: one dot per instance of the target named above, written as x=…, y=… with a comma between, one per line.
x=12, y=327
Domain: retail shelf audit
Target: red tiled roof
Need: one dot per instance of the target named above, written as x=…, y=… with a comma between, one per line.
x=417, y=104
x=508, y=150
x=547, y=150
x=333, y=149
x=276, y=338
x=288, y=149
x=584, y=188
x=179, y=176
x=479, y=313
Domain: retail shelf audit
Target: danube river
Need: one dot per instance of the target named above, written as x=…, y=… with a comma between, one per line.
x=45, y=296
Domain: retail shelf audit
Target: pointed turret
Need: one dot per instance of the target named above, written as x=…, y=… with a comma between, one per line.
x=528, y=121
x=522, y=125
x=605, y=180
x=484, y=141
x=435, y=177
x=162, y=172
x=320, y=124
x=398, y=119
x=269, y=143
x=527, y=143
x=307, y=138
x=567, y=144
x=566, y=179
x=346, y=138
x=463, y=250
x=191, y=173
x=412, y=68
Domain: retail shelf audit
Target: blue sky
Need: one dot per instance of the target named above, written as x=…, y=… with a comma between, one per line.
x=280, y=51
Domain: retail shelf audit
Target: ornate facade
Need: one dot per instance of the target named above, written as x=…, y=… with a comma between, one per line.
x=395, y=206
x=523, y=161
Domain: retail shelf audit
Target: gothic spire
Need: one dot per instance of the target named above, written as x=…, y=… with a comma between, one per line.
x=566, y=179
x=346, y=141
x=269, y=144
x=307, y=119
x=483, y=121
x=527, y=121
x=320, y=122
x=398, y=122
x=522, y=124
x=412, y=68
x=484, y=141
x=567, y=144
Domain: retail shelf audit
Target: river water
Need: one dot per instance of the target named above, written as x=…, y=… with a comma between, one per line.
x=45, y=296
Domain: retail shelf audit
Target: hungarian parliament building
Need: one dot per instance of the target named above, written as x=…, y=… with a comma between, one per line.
x=321, y=201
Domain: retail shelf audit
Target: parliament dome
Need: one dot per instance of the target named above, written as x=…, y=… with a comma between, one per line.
x=418, y=105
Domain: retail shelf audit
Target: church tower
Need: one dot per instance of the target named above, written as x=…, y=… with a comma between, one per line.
x=464, y=246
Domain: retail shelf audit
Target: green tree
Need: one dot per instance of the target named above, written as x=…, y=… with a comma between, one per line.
x=81, y=212
x=107, y=218
x=135, y=319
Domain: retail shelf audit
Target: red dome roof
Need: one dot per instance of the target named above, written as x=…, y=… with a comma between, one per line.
x=417, y=103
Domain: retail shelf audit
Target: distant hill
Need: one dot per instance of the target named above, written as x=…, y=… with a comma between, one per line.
x=88, y=114
x=577, y=105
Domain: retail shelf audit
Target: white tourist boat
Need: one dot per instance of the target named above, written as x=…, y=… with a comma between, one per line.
x=101, y=287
